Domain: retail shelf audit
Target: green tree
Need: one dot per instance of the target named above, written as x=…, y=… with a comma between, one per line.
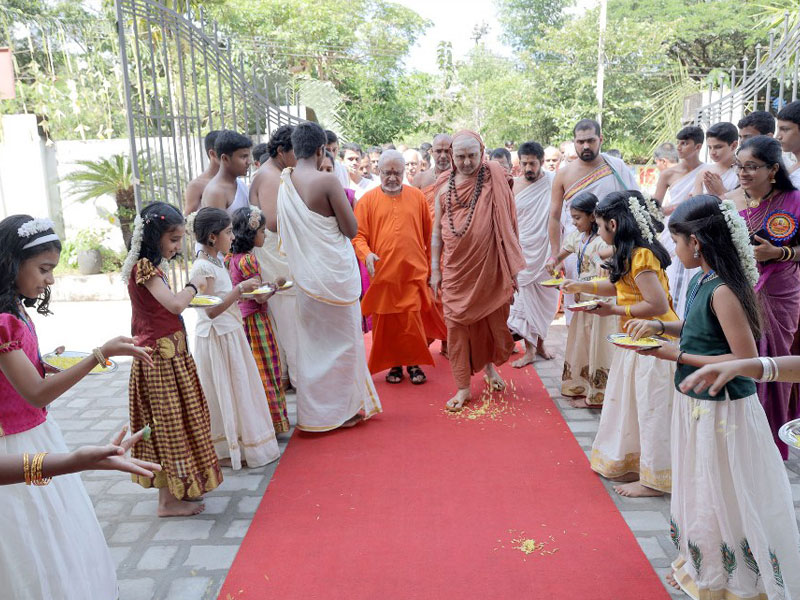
x=524, y=21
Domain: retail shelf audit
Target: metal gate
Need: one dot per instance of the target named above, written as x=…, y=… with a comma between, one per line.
x=767, y=81
x=183, y=78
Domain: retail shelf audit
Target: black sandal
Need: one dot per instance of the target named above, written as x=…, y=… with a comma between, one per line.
x=395, y=375
x=415, y=373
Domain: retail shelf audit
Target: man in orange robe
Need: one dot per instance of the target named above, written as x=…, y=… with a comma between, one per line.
x=427, y=182
x=393, y=241
x=475, y=235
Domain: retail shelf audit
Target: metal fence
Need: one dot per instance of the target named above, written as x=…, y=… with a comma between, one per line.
x=183, y=77
x=767, y=81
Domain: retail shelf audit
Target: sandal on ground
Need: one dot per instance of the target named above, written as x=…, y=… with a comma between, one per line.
x=395, y=375
x=416, y=375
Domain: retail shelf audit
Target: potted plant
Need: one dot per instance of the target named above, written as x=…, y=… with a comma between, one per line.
x=88, y=244
x=110, y=176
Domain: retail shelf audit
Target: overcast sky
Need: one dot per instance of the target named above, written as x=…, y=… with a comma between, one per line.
x=453, y=21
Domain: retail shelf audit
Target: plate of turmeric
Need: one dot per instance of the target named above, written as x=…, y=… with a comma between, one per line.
x=70, y=358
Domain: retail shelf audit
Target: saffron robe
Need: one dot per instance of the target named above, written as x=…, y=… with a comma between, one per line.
x=398, y=230
x=478, y=271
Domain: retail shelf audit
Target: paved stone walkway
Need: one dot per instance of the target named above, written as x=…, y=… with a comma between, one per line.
x=187, y=559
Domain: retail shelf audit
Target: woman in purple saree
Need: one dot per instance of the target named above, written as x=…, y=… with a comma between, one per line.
x=771, y=206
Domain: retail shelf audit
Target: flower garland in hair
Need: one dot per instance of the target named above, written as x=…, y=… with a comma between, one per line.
x=654, y=210
x=136, y=248
x=741, y=240
x=642, y=218
x=35, y=226
x=190, y=222
x=254, y=222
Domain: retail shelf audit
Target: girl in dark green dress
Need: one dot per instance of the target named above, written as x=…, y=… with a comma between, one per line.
x=733, y=519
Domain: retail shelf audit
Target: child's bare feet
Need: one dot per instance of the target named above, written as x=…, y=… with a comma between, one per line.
x=671, y=580
x=170, y=506
x=635, y=489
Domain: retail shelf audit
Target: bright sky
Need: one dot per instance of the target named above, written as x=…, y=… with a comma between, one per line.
x=453, y=21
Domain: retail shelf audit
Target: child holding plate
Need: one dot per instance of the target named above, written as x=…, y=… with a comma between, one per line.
x=51, y=545
x=587, y=357
x=241, y=427
x=733, y=519
x=632, y=442
x=249, y=232
x=166, y=394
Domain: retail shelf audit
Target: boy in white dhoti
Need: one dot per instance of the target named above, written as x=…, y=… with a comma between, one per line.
x=315, y=224
x=674, y=186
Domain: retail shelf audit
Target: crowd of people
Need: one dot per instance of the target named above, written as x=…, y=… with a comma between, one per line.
x=452, y=242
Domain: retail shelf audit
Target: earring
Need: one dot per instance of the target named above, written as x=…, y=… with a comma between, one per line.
x=696, y=254
x=772, y=180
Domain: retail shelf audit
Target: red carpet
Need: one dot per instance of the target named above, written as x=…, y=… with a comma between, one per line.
x=417, y=504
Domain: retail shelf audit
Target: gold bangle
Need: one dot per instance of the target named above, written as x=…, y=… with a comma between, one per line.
x=628, y=311
x=38, y=463
x=594, y=288
x=26, y=468
x=98, y=356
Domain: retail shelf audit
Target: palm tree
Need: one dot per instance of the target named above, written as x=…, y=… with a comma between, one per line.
x=110, y=176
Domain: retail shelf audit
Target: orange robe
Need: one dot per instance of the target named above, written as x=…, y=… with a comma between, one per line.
x=430, y=198
x=398, y=230
x=478, y=271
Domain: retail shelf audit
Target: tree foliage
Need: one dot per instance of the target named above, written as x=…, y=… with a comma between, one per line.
x=524, y=21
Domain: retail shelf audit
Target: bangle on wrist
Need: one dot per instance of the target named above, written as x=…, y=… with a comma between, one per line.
x=663, y=327
x=98, y=356
x=594, y=287
x=769, y=369
x=193, y=286
x=680, y=356
x=628, y=311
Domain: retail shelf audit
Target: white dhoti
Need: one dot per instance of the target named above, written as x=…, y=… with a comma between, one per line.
x=534, y=305
x=678, y=276
x=732, y=515
x=282, y=306
x=634, y=433
x=334, y=383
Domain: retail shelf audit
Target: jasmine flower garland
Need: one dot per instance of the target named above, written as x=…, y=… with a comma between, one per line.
x=741, y=240
x=136, y=248
x=641, y=217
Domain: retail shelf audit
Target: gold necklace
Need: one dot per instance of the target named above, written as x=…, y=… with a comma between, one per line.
x=756, y=202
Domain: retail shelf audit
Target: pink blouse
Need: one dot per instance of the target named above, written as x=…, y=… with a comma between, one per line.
x=16, y=414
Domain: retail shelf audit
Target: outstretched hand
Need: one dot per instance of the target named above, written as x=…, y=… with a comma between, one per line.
x=111, y=457
x=125, y=346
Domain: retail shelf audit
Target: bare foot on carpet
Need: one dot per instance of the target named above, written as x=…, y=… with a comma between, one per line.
x=493, y=379
x=457, y=402
x=179, y=508
x=542, y=351
x=671, y=580
x=443, y=349
x=628, y=477
x=527, y=359
x=636, y=490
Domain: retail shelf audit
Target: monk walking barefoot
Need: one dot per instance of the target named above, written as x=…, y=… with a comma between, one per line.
x=481, y=259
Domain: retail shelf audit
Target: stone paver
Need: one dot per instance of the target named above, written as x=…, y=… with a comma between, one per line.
x=187, y=559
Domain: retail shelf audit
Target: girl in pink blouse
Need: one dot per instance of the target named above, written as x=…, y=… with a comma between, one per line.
x=51, y=544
